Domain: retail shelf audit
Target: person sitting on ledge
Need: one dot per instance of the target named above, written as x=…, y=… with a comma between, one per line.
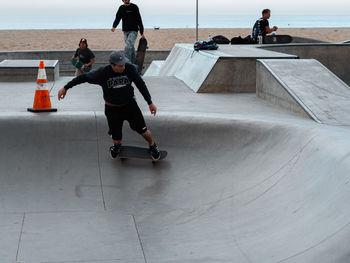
x=262, y=27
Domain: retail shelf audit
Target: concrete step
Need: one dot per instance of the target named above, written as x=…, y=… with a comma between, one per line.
x=231, y=68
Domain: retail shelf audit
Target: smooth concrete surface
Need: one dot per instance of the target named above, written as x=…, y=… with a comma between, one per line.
x=335, y=57
x=231, y=68
x=23, y=70
x=112, y=235
x=10, y=229
x=244, y=181
x=187, y=65
x=154, y=68
x=305, y=86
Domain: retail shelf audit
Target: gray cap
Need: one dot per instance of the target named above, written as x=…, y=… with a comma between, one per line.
x=118, y=58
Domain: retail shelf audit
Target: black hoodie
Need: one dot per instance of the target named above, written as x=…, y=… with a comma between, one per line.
x=116, y=87
x=131, y=18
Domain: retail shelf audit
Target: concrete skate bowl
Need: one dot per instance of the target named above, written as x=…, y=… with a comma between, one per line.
x=231, y=190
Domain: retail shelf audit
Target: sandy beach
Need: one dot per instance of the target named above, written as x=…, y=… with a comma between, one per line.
x=163, y=39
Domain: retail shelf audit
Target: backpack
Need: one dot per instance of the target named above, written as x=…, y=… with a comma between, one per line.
x=239, y=40
x=256, y=30
x=221, y=40
x=205, y=45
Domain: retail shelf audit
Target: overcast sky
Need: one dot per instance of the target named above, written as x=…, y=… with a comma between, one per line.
x=216, y=7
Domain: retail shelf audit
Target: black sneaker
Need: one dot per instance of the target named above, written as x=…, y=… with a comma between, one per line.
x=154, y=151
x=115, y=150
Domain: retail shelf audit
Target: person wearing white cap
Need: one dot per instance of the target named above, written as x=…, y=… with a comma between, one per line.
x=120, y=104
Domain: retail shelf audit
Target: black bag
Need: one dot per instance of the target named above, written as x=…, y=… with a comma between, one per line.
x=242, y=41
x=219, y=39
x=236, y=40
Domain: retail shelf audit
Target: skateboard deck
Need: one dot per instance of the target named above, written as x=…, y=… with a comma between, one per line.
x=140, y=53
x=277, y=39
x=79, y=65
x=134, y=152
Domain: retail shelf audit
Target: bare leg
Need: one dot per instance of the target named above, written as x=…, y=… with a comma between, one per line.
x=148, y=137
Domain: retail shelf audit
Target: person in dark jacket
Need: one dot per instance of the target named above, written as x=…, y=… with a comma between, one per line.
x=84, y=54
x=262, y=26
x=120, y=104
x=132, y=23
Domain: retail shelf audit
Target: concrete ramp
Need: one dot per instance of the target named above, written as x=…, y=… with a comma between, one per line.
x=185, y=64
x=230, y=191
x=231, y=68
x=305, y=86
x=154, y=68
x=244, y=182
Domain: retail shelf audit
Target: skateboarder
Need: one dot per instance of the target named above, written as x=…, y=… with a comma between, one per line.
x=120, y=104
x=85, y=56
x=132, y=23
x=262, y=27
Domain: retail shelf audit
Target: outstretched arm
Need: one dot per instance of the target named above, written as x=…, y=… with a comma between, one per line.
x=92, y=77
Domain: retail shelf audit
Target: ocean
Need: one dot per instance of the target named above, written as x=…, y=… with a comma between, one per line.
x=12, y=22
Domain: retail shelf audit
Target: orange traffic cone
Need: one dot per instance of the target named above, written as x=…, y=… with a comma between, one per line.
x=42, y=101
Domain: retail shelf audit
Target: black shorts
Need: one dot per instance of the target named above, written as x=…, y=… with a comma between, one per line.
x=129, y=112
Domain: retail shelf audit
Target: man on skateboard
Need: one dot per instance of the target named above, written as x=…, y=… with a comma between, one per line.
x=120, y=104
x=132, y=23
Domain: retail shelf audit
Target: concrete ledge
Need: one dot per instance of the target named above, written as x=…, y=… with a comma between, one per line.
x=335, y=57
x=27, y=70
x=228, y=69
x=304, y=86
x=63, y=56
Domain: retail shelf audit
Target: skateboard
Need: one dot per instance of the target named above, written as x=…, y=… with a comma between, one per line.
x=79, y=65
x=133, y=152
x=277, y=39
x=140, y=53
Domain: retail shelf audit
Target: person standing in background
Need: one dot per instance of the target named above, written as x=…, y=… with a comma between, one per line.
x=85, y=56
x=131, y=23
